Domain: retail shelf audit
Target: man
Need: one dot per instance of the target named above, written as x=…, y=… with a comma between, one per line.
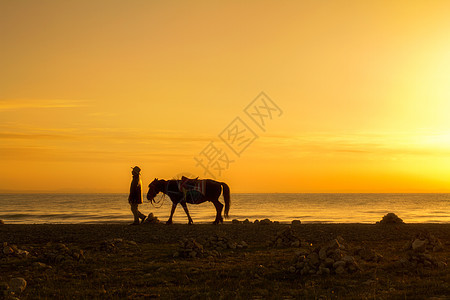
x=135, y=197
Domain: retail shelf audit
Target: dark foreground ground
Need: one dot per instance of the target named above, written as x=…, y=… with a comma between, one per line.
x=230, y=261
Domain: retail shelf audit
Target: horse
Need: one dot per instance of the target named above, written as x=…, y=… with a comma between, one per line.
x=193, y=191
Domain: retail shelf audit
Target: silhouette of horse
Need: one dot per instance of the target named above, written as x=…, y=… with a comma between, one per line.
x=193, y=191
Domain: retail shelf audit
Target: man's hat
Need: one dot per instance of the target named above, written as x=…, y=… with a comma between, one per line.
x=136, y=169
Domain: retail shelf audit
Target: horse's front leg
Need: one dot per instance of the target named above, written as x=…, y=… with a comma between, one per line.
x=190, y=222
x=174, y=205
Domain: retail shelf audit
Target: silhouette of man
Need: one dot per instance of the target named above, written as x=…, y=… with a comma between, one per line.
x=135, y=197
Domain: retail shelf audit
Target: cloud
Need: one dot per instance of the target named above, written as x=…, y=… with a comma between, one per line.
x=18, y=104
x=361, y=143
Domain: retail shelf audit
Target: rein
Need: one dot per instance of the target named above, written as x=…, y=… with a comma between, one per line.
x=161, y=200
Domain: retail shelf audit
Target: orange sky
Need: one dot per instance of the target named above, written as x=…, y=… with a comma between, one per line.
x=90, y=88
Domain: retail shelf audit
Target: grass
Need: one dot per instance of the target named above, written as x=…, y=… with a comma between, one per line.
x=148, y=270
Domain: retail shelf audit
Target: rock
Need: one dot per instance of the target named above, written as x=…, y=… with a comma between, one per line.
x=368, y=255
x=133, y=243
x=333, y=244
x=39, y=265
x=391, y=218
x=151, y=219
x=329, y=262
x=244, y=244
x=189, y=248
x=330, y=258
x=256, y=222
x=323, y=253
x=296, y=222
x=339, y=263
x=313, y=259
x=369, y=282
x=419, y=245
x=236, y=221
x=418, y=254
x=246, y=221
x=17, y=285
x=2, y=222
x=7, y=250
x=423, y=242
x=295, y=244
x=221, y=243
x=349, y=259
x=22, y=253
x=285, y=238
x=265, y=222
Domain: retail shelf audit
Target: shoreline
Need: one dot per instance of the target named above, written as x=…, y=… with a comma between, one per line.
x=117, y=261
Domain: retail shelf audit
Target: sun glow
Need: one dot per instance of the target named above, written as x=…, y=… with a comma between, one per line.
x=90, y=92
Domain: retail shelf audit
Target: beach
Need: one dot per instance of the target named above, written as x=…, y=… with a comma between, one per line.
x=228, y=261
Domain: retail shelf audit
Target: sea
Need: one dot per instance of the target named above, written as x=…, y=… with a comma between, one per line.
x=308, y=208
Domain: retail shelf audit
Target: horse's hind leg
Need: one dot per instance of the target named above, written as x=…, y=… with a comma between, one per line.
x=190, y=222
x=219, y=207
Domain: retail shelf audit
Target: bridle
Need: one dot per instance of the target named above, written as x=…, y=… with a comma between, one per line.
x=156, y=204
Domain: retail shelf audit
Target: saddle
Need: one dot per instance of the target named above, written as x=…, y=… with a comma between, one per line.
x=191, y=184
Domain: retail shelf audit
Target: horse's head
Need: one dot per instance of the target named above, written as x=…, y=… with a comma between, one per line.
x=153, y=189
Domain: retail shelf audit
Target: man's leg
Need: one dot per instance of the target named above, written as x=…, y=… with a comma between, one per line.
x=135, y=211
x=140, y=215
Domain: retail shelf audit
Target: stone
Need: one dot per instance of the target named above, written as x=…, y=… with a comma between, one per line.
x=296, y=222
x=349, y=259
x=338, y=264
x=151, y=219
x=236, y=221
x=265, y=222
x=246, y=221
x=326, y=271
x=323, y=253
x=391, y=218
x=17, y=285
x=285, y=238
x=2, y=222
x=419, y=245
x=295, y=244
x=336, y=254
x=340, y=239
x=328, y=262
x=232, y=245
x=313, y=259
x=23, y=253
x=369, y=282
x=8, y=250
x=367, y=254
x=340, y=270
x=40, y=265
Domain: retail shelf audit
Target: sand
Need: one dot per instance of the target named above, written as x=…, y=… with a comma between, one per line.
x=118, y=261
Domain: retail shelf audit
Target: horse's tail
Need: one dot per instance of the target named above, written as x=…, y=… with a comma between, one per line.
x=226, y=197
